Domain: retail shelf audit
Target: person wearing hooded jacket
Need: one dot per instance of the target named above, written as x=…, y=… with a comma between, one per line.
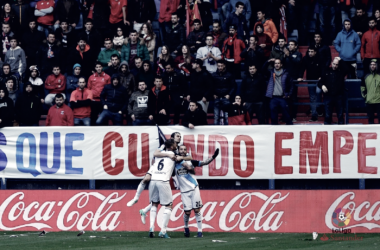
x=194, y=116
x=84, y=55
x=196, y=38
x=200, y=85
x=138, y=108
x=36, y=81
x=114, y=98
x=146, y=75
x=15, y=57
x=348, y=44
x=28, y=107
x=127, y=80
x=13, y=90
x=6, y=108
x=72, y=81
x=48, y=54
x=268, y=25
x=370, y=89
x=7, y=74
x=232, y=48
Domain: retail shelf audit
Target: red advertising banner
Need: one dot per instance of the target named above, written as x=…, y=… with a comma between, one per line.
x=223, y=211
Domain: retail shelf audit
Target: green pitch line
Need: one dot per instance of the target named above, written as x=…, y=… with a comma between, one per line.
x=140, y=240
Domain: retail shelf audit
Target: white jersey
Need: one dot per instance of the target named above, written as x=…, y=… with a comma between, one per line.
x=162, y=168
x=186, y=180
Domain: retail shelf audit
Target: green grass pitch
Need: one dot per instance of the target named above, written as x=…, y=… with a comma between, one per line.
x=140, y=240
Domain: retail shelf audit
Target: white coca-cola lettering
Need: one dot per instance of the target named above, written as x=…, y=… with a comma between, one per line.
x=273, y=218
x=356, y=212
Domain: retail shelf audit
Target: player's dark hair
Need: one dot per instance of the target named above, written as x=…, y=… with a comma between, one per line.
x=173, y=135
x=169, y=143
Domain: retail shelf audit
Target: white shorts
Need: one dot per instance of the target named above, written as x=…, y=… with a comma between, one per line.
x=191, y=200
x=160, y=191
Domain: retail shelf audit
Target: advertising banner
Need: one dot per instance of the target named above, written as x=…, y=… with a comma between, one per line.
x=235, y=211
x=246, y=152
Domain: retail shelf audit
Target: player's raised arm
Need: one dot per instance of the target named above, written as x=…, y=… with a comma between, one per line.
x=207, y=161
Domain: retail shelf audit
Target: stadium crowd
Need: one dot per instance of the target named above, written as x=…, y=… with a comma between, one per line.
x=94, y=61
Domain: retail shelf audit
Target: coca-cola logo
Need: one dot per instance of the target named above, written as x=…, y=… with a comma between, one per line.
x=68, y=215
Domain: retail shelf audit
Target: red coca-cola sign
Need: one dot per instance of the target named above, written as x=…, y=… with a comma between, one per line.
x=223, y=211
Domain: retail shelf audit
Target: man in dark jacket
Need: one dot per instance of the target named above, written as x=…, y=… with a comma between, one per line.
x=31, y=41
x=175, y=36
x=92, y=36
x=159, y=101
x=177, y=87
x=218, y=34
x=48, y=54
x=138, y=108
x=238, y=20
x=67, y=10
x=200, y=85
x=314, y=71
x=327, y=10
x=115, y=65
x=114, y=98
x=224, y=87
x=6, y=108
x=28, y=107
x=332, y=85
x=84, y=55
x=133, y=49
x=252, y=92
x=253, y=55
x=6, y=74
x=323, y=51
x=360, y=21
x=23, y=14
x=140, y=12
x=126, y=78
x=196, y=38
x=194, y=116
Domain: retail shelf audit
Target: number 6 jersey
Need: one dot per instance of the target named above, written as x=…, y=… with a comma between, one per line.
x=162, y=168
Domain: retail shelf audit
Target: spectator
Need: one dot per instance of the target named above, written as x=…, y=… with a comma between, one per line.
x=67, y=10
x=55, y=84
x=253, y=55
x=360, y=21
x=371, y=92
x=200, y=85
x=118, y=16
x=314, y=70
x=8, y=16
x=246, y=11
x=127, y=79
x=140, y=12
x=8, y=74
x=232, y=49
x=6, y=108
x=218, y=35
x=135, y=47
x=279, y=89
x=5, y=38
x=332, y=85
x=184, y=61
x=22, y=13
x=159, y=101
x=38, y=84
x=66, y=35
x=209, y=54
x=222, y=9
x=370, y=45
x=60, y=114
x=31, y=41
x=263, y=40
x=177, y=88
x=72, y=81
x=80, y=102
x=48, y=54
x=323, y=50
x=115, y=65
x=252, y=91
x=196, y=38
x=28, y=107
x=377, y=16
x=268, y=26
x=163, y=59
x=279, y=50
x=146, y=75
x=13, y=90
x=114, y=98
x=348, y=44
x=149, y=38
x=167, y=8
x=138, y=109
x=96, y=83
x=45, y=17
x=224, y=87
x=237, y=115
x=92, y=36
x=101, y=15
x=138, y=66
x=176, y=36
x=327, y=19
x=194, y=116
x=84, y=55
x=119, y=39
x=238, y=21
x=15, y=57
x=104, y=56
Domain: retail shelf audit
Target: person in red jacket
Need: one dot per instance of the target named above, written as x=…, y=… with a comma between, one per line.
x=96, y=84
x=55, y=84
x=80, y=102
x=269, y=27
x=232, y=48
x=60, y=114
x=370, y=45
x=45, y=16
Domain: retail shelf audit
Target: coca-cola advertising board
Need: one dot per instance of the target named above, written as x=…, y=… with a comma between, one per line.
x=246, y=152
x=223, y=211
